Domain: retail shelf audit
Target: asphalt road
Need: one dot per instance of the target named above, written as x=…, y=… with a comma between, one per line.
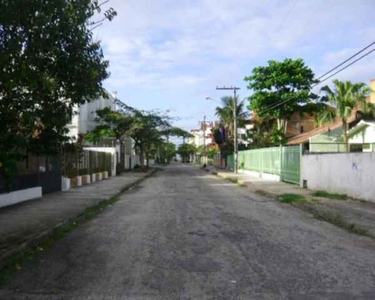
x=184, y=234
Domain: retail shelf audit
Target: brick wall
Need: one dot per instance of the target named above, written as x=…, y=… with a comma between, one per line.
x=300, y=124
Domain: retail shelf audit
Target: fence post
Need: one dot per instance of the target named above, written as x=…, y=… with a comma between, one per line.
x=280, y=162
x=77, y=171
x=300, y=164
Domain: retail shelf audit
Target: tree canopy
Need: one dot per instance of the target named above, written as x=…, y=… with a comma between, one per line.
x=49, y=63
x=147, y=128
x=280, y=89
x=225, y=112
x=177, y=132
x=186, y=151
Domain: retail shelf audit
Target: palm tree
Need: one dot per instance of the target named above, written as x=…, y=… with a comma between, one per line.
x=225, y=113
x=345, y=97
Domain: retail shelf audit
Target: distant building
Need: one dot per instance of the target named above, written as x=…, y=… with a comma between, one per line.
x=84, y=116
x=84, y=121
x=204, y=135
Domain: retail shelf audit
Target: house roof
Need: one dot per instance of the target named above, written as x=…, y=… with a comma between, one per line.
x=361, y=125
x=305, y=137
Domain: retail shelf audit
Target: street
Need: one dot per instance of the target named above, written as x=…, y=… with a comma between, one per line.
x=185, y=234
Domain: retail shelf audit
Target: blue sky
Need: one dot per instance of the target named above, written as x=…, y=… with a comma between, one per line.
x=171, y=55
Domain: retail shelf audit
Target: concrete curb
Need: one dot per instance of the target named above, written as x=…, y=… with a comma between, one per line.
x=249, y=185
x=14, y=254
x=313, y=209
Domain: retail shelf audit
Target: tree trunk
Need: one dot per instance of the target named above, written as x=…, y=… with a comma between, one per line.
x=345, y=134
x=141, y=160
x=282, y=127
x=148, y=156
x=122, y=160
x=285, y=126
x=278, y=124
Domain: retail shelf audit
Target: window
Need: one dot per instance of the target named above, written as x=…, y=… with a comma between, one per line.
x=356, y=148
x=366, y=146
x=301, y=129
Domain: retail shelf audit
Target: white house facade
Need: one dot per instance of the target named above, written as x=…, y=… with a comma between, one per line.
x=203, y=135
x=84, y=116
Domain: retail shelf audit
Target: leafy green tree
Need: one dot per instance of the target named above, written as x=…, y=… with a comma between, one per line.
x=176, y=132
x=280, y=89
x=111, y=124
x=49, y=63
x=344, y=97
x=225, y=114
x=260, y=135
x=186, y=151
x=167, y=151
x=146, y=130
x=212, y=152
x=201, y=150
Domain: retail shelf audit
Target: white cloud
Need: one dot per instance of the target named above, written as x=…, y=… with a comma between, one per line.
x=191, y=46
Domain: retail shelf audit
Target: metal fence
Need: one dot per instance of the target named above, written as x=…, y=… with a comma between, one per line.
x=85, y=162
x=339, y=147
x=33, y=171
x=282, y=161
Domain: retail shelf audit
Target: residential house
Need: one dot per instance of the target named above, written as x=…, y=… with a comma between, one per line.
x=325, y=138
x=84, y=116
x=329, y=137
x=203, y=135
x=299, y=124
x=84, y=120
x=362, y=136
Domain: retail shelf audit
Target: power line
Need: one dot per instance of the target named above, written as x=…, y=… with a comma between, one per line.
x=347, y=66
x=287, y=14
x=345, y=61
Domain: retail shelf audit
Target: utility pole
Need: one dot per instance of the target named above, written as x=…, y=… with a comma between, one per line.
x=204, y=135
x=234, y=89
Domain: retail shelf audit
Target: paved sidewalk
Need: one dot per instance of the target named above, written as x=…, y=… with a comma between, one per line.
x=27, y=222
x=351, y=211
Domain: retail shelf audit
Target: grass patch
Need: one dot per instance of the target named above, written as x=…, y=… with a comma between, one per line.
x=336, y=218
x=293, y=198
x=232, y=179
x=331, y=195
x=315, y=201
x=262, y=193
x=29, y=255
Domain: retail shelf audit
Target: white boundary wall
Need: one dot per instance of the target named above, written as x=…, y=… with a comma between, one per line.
x=20, y=196
x=352, y=174
x=266, y=176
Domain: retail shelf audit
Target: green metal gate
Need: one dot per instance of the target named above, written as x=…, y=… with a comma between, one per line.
x=290, y=164
x=282, y=161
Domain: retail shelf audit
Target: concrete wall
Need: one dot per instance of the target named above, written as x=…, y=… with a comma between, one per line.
x=20, y=196
x=266, y=176
x=344, y=173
